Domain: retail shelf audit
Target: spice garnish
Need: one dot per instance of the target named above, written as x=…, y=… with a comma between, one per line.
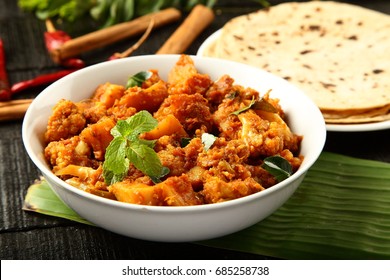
x=261, y=104
x=138, y=79
x=278, y=166
x=127, y=147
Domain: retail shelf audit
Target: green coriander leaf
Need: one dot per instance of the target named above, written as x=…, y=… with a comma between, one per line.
x=208, y=140
x=116, y=165
x=278, y=166
x=245, y=108
x=144, y=159
x=138, y=79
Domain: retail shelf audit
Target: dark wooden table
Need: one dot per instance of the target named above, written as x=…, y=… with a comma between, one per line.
x=26, y=235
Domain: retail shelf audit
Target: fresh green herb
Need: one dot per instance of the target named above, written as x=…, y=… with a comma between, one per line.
x=184, y=141
x=67, y=10
x=278, y=166
x=127, y=147
x=103, y=12
x=208, y=140
x=261, y=104
x=113, y=12
x=138, y=79
x=245, y=108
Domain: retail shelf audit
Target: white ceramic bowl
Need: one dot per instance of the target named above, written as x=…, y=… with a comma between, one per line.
x=185, y=223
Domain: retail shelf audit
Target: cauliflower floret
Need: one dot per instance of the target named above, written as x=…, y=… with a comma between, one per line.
x=148, y=99
x=220, y=89
x=98, y=136
x=66, y=121
x=179, y=160
x=92, y=111
x=185, y=79
x=266, y=133
x=174, y=191
x=69, y=151
x=192, y=111
x=233, y=152
x=108, y=93
x=217, y=190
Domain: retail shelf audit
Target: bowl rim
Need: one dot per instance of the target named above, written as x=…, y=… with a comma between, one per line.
x=307, y=163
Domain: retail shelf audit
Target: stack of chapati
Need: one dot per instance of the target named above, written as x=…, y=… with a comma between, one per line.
x=338, y=53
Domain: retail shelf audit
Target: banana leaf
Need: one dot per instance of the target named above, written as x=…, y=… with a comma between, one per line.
x=340, y=211
x=42, y=199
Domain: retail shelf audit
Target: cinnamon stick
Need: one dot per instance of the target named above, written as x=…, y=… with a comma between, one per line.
x=14, y=109
x=199, y=18
x=109, y=35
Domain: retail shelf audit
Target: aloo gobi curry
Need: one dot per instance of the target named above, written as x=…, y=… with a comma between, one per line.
x=188, y=140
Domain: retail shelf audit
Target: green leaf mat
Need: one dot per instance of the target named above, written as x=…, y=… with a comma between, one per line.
x=42, y=199
x=340, y=211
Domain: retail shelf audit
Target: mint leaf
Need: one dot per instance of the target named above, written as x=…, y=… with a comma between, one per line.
x=138, y=79
x=122, y=128
x=139, y=123
x=116, y=165
x=144, y=159
x=127, y=147
x=278, y=166
x=149, y=143
x=208, y=140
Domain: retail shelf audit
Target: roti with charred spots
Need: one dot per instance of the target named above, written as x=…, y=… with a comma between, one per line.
x=337, y=53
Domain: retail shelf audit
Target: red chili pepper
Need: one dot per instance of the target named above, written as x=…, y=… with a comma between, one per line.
x=55, y=39
x=73, y=63
x=5, y=92
x=40, y=80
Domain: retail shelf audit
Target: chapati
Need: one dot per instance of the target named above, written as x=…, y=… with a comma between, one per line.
x=338, y=53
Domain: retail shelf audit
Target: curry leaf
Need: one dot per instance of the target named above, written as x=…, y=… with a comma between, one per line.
x=164, y=171
x=138, y=79
x=261, y=104
x=184, y=141
x=245, y=108
x=278, y=166
x=264, y=105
